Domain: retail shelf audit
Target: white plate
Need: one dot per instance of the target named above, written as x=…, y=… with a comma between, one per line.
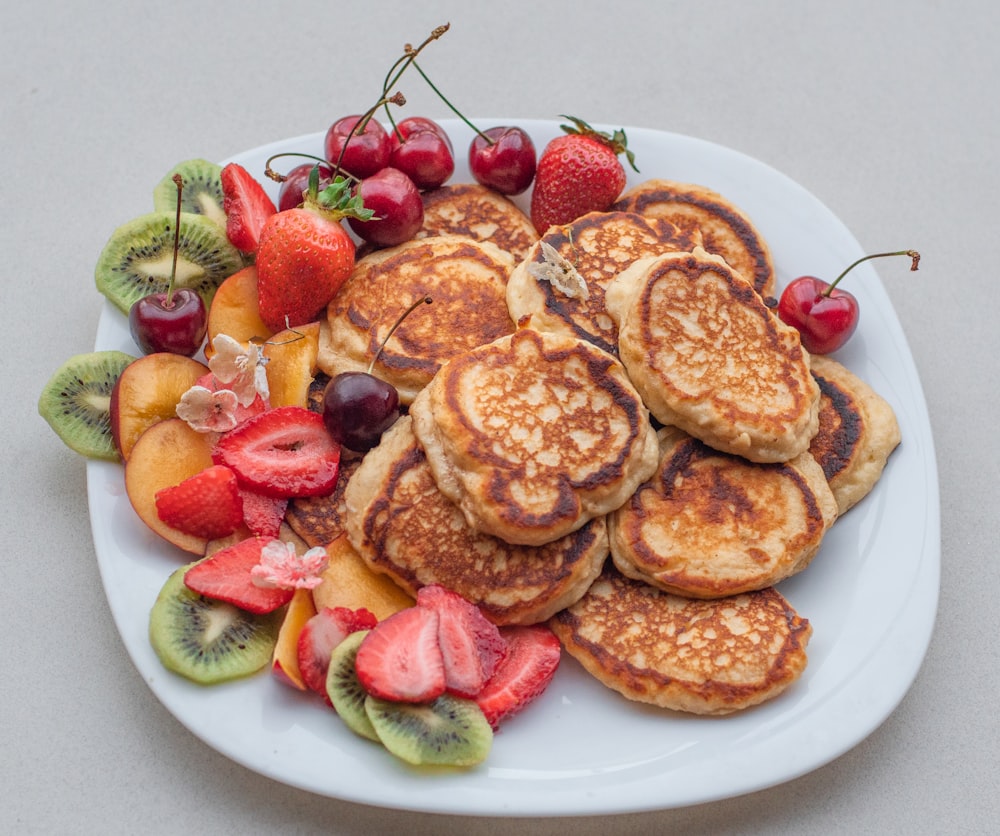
x=871, y=593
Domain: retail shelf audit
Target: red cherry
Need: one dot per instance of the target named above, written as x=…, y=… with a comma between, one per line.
x=364, y=153
x=174, y=322
x=824, y=315
x=296, y=182
x=504, y=159
x=416, y=124
x=424, y=156
x=398, y=209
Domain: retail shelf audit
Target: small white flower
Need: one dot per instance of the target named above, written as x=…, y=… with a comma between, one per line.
x=207, y=411
x=560, y=273
x=240, y=368
x=283, y=568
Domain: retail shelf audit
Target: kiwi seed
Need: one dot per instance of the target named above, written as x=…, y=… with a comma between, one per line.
x=76, y=402
x=138, y=258
x=202, y=194
x=345, y=690
x=209, y=641
x=449, y=731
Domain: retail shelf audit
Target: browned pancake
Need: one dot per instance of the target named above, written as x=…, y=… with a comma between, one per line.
x=725, y=229
x=319, y=520
x=704, y=657
x=403, y=526
x=857, y=432
x=709, y=524
x=595, y=248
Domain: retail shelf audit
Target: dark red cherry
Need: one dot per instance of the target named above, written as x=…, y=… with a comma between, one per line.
x=423, y=156
x=297, y=181
x=415, y=124
x=358, y=408
x=399, y=211
x=176, y=324
x=367, y=151
x=508, y=164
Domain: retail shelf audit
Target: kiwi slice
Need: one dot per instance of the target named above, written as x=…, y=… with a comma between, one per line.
x=76, y=402
x=345, y=690
x=202, y=193
x=209, y=641
x=449, y=731
x=138, y=258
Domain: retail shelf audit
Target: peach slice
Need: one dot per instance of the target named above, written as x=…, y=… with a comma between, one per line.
x=291, y=364
x=285, y=661
x=234, y=310
x=349, y=582
x=166, y=454
x=148, y=391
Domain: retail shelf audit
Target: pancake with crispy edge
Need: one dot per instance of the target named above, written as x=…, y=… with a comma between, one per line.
x=703, y=657
x=709, y=524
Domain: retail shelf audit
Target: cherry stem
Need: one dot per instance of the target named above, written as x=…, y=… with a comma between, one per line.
x=169, y=301
x=426, y=300
x=281, y=178
x=452, y=107
x=913, y=254
x=397, y=99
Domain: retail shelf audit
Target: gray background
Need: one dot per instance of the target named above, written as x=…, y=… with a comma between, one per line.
x=887, y=111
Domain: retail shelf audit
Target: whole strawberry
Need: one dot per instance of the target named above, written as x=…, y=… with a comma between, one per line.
x=305, y=255
x=578, y=173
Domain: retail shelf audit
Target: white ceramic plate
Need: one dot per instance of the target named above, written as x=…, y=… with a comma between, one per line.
x=871, y=593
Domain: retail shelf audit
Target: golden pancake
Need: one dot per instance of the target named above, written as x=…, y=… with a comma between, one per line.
x=534, y=434
x=710, y=357
x=709, y=524
x=703, y=657
x=725, y=229
x=857, y=432
x=319, y=520
x=591, y=250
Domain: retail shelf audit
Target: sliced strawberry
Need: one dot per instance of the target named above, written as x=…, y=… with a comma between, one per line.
x=471, y=645
x=247, y=207
x=532, y=658
x=284, y=452
x=400, y=659
x=263, y=514
x=206, y=505
x=321, y=634
x=225, y=576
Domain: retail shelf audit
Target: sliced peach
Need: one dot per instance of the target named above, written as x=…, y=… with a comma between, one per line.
x=349, y=582
x=285, y=661
x=291, y=364
x=234, y=311
x=166, y=454
x=148, y=391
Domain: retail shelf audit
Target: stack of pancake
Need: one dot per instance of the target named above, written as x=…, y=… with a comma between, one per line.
x=608, y=429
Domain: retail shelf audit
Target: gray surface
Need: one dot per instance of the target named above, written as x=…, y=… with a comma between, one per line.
x=886, y=111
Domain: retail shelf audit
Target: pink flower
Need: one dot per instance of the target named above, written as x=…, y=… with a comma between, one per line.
x=207, y=411
x=281, y=566
x=240, y=368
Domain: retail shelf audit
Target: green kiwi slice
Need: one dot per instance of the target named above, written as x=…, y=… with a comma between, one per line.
x=449, y=731
x=209, y=641
x=76, y=402
x=345, y=690
x=138, y=258
x=202, y=193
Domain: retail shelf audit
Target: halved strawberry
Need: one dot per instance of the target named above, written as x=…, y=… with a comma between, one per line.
x=283, y=452
x=207, y=504
x=247, y=207
x=321, y=634
x=532, y=658
x=263, y=514
x=225, y=576
x=471, y=645
x=400, y=658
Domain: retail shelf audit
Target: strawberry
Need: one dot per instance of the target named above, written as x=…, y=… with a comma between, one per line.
x=263, y=514
x=206, y=505
x=532, y=658
x=400, y=658
x=471, y=645
x=225, y=576
x=247, y=207
x=283, y=452
x=578, y=173
x=305, y=255
x=321, y=634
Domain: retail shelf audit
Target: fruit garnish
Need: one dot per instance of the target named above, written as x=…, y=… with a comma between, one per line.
x=208, y=641
x=173, y=320
x=202, y=190
x=344, y=689
x=76, y=402
x=285, y=659
x=578, y=173
x=320, y=635
x=247, y=207
x=240, y=368
x=358, y=145
x=206, y=505
x=282, y=452
x=263, y=514
x=533, y=654
x=825, y=315
x=228, y=576
x=295, y=183
x=282, y=567
x=400, y=658
x=398, y=211
x=422, y=150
